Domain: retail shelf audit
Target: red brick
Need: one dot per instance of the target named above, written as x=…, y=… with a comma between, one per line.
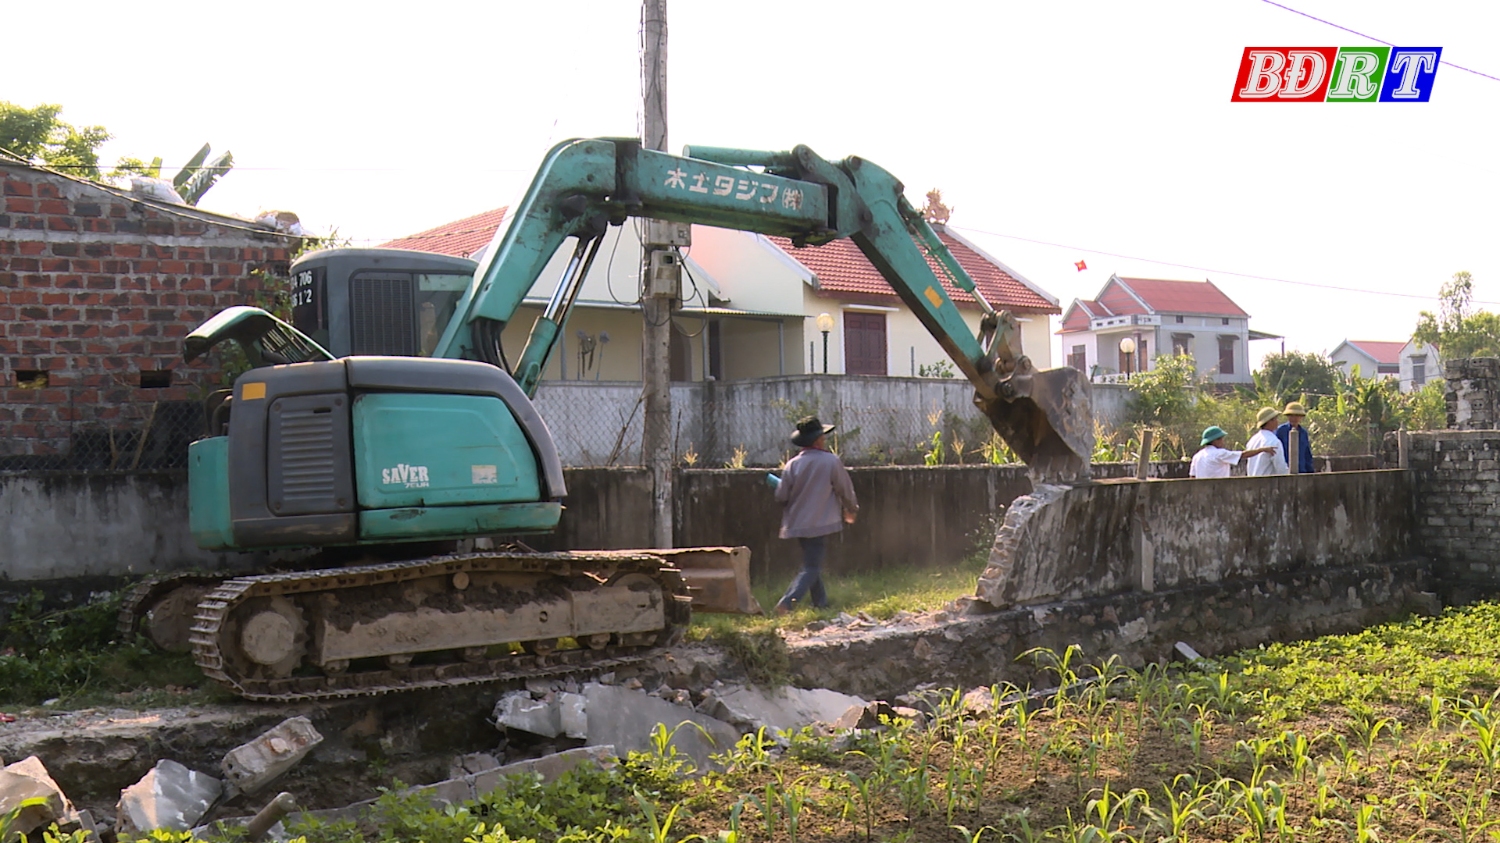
x=146, y=267
x=62, y=224
x=68, y=282
x=66, y=314
x=55, y=396
x=174, y=267
x=54, y=264
x=86, y=331
x=34, y=313
x=16, y=187
x=95, y=225
x=56, y=298
x=25, y=265
x=55, y=207
x=116, y=330
x=53, y=330
x=98, y=314
x=16, y=205
x=37, y=247
x=101, y=282
x=67, y=250
x=145, y=329
x=87, y=265
x=44, y=190
x=23, y=297
x=127, y=250
x=192, y=284
x=192, y=253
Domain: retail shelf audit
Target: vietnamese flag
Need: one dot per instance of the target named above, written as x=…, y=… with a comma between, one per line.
x=1081, y=265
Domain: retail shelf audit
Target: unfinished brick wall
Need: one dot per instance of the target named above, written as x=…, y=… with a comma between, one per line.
x=1473, y=388
x=1457, y=495
x=97, y=291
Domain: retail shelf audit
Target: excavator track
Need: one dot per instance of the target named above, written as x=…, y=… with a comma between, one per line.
x=145, y=595
x=301, y=611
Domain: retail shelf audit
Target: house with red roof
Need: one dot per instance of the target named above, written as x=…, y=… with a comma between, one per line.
x=1133, y=320
x=753, y=306
x=1411, y=363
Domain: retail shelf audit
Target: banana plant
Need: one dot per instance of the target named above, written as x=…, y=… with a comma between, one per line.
x=195, y=177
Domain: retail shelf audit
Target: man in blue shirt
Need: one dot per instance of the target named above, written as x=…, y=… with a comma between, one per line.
x=1294, y=413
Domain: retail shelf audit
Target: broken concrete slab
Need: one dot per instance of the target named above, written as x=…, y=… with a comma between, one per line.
x=864, y=716
x=169, y=796
x=1185, y=651
x=785, y=708
x=250, y=767
x=471, y=763
x=573, y=716
x=546, y=768
x=29, y=779
x=519, y=710
x=626, y=718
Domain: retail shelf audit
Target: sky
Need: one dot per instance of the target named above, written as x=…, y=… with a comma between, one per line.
x=1103, y=128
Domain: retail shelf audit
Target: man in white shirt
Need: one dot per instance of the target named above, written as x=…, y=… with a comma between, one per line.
x=1266, y=464
x=1214, y=460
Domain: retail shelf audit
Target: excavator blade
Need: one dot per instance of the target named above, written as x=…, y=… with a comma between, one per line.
x=718, y=578
x=1047, y=421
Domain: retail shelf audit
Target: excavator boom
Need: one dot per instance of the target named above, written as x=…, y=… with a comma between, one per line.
x=585, y=185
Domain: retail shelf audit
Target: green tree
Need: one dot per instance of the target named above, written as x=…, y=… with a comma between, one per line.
x=1457, y=329
x=40, y=136
x=1289, y=376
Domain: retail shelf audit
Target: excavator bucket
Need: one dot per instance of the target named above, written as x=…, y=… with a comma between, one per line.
x=1046, y=419
x=718, y=578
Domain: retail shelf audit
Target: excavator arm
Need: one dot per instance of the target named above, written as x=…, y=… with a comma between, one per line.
x=584, y=186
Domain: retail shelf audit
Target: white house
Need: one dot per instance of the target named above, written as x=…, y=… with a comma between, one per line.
x=1411, y=363
x=752, y=306
x=1158, y=317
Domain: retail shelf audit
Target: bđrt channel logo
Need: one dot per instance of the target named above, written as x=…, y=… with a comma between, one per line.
x=1337, y=74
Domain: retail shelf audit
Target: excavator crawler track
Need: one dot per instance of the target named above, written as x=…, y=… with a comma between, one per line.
x=259, y=635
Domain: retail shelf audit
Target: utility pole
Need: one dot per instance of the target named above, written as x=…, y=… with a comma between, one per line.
x=660, y=291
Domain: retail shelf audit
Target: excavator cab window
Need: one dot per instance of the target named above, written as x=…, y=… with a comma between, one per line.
x=438, y=295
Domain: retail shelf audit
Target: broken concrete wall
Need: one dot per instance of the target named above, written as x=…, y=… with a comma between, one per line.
x=1069, y=543
x=1137, y=626
x=1473, y=393
x=71, y=525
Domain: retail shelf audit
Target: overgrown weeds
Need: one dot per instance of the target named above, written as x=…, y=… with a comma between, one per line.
x=1385, y=735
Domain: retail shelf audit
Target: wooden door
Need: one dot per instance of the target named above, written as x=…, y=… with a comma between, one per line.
x=864, y=343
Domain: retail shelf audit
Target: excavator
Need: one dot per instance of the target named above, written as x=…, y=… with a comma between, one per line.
x=424, y=431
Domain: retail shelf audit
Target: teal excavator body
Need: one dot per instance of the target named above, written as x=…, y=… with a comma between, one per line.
x=420, y=428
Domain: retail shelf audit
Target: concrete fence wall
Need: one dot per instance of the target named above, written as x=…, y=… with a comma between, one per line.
x=1104, y=538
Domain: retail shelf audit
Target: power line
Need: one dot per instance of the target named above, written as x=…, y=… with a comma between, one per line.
x=1207, y=269
x=1373, y=38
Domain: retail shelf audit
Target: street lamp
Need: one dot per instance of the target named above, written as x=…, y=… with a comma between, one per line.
x=825, y=324
x=1127, y=347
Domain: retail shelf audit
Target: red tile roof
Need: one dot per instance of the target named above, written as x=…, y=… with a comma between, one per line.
x=1118, y=300
x=839, y=266
x=460, y=238
x=842, y=269
x=1200, y=297
x=1388, y=353
x=1080, y=314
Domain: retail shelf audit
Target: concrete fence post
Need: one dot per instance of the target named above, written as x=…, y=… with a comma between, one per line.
x=1293, y=451
x=1143, y=461
x=1403, y=449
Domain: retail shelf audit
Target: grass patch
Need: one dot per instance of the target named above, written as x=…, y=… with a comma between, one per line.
x=880, y=594
x=72, y=656
x=1392, y=734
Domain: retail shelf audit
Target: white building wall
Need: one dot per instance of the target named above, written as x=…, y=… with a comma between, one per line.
x=1432, y=370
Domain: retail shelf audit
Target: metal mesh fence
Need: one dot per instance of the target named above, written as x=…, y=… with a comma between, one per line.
x=731, y=425
x=750, y=423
